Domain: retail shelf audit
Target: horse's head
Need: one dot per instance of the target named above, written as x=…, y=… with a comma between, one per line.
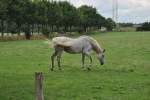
x=100, y=57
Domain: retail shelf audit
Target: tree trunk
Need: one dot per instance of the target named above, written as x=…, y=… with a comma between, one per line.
x=32, y=29
x=52, y=28
x=66, y=29
x=19, y=30
x=99, y=27
x=2, y=28
x=38, y=29
x=57, y=28
x=28, y=32
x=85, y=28
x=70, y=28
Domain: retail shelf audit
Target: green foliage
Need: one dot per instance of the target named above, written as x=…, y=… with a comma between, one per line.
x=145, y=27
x=56, y=15
x=68, y=14
x=110, y=24
x=87, y=16
x=12, y=28
x=3, y=9
x=126, y=24
x=45, y=32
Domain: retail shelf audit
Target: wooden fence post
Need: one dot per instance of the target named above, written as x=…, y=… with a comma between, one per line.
x=39, y=85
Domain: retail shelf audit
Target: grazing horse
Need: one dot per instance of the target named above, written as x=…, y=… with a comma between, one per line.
x=82, y=45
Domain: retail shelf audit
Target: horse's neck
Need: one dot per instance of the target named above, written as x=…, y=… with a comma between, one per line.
x=96, y=47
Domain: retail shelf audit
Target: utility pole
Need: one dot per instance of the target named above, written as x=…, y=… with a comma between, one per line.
x=115, y=13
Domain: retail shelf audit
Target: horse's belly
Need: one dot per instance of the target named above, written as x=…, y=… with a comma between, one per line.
x=72, y=50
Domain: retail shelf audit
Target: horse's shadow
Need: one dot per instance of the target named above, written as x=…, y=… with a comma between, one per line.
x=95, y=69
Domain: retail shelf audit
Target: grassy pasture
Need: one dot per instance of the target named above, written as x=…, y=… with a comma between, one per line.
x=125, y=76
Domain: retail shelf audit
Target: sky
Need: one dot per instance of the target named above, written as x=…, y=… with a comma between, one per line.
x=135, y=11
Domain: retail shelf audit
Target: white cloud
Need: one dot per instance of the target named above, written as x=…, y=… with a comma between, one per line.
x=129, y=10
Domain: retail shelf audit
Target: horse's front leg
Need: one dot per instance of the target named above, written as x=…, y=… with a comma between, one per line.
x=88, y=55
x=58, y=59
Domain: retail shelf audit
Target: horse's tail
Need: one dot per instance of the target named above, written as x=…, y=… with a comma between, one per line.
x=49, y=42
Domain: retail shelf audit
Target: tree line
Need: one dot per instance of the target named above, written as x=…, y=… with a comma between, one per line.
x=30, y=16
x=144, y=27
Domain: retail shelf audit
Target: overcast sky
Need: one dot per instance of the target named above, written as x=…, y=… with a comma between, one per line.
x=135, y=11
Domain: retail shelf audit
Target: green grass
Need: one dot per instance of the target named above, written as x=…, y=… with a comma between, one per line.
x=125, y=76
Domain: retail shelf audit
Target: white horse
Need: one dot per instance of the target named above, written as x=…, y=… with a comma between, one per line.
x=82, y=44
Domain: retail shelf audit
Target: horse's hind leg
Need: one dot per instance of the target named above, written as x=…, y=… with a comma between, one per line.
x=53, y=58
x=83, y=59
x=59, y=57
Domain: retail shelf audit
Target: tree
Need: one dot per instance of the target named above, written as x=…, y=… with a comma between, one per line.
x=145, y=27
x=110, y=24
x=45, y=16
x=126, y=24
x=89, y=17
x=3, y=14
x=68, y=14
x=53, y=14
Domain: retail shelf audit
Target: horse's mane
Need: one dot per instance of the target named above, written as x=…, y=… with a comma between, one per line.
x=95, y=44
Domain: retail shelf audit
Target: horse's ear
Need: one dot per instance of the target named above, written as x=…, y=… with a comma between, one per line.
x=104, y=50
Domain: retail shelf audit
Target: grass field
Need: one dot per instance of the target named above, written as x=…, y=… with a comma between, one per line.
x=125, y=76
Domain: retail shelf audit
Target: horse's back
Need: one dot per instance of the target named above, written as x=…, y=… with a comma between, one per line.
x=63, y=41
x=67, y=42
